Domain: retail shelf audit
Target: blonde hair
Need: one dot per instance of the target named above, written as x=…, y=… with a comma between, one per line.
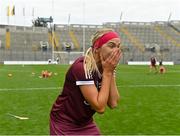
x=89, y=61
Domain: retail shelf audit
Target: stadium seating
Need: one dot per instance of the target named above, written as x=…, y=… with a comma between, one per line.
x=139, y=40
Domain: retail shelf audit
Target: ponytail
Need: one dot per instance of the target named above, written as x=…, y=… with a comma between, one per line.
x=90, y=64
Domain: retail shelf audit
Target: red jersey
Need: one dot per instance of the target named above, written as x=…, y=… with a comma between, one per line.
x=153, y=61
x=71, y=106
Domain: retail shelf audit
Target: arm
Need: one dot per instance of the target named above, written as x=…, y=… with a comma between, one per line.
x=113, y=94
x=98, y=100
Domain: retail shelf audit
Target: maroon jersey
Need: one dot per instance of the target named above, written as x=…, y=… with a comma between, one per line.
x=153, y=61
x=71, y=107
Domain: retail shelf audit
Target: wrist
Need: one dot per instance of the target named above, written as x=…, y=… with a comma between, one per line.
x=107, y=73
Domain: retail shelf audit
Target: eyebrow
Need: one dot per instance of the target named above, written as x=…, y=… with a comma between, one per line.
x=113, y=42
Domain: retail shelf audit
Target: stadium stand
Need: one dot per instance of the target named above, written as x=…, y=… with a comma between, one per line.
x=139, y=40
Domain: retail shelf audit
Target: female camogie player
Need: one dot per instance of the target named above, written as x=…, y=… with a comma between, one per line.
x=89, y=87
x=153, y=64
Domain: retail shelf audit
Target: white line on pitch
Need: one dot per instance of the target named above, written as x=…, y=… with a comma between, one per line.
x=27, y=89
x=149, y=86
x=56, y=88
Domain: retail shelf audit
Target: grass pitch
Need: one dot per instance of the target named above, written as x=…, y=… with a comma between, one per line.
x=150, y=103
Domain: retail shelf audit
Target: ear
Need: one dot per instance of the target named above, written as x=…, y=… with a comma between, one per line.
x=97, y=52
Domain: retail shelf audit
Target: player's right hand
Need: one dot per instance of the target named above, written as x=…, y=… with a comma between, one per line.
x=111, y=62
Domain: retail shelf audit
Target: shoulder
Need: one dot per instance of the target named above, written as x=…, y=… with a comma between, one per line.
x=77, y=66
x=76, y=70
x=78, y=73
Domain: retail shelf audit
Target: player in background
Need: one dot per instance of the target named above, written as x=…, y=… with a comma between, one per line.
x=162, y=69
x=153, y=66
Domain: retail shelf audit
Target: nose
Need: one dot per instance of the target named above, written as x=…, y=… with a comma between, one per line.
x=117, y=49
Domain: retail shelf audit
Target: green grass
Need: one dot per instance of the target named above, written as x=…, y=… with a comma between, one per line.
x=142, y=109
